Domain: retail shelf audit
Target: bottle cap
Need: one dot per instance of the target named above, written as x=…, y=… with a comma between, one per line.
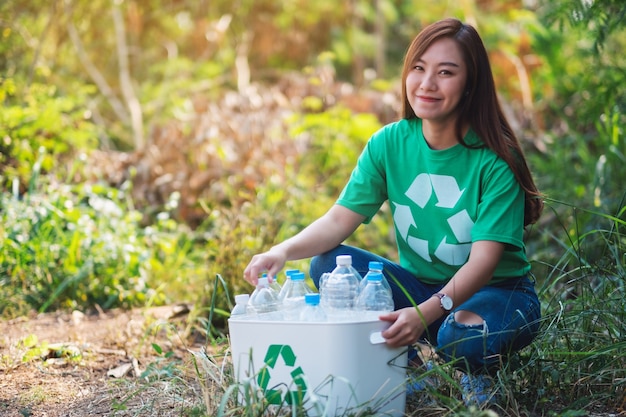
x=242, y=298
x=375, y=265
x=290, y=272
x=263, y=282
x=313, y=298
x=344, y=259
x=375, y=276
x=298, y=276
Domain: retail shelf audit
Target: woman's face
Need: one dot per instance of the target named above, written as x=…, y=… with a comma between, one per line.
x=436, y=82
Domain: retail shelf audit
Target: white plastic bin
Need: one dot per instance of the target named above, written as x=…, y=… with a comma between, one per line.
x=327, y=367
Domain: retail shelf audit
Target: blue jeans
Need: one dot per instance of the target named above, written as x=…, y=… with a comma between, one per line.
x=510, y=311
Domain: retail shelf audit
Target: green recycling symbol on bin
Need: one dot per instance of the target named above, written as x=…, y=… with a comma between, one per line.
x=273, y=395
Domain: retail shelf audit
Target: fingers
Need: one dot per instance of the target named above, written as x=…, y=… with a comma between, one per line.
x=253, y=270
x=265, y=262
x=403, y=330
x=392, y=332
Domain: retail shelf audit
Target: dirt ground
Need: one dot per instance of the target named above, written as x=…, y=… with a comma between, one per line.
x=79, y=365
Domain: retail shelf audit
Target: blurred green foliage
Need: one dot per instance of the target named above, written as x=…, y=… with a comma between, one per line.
x=582, y=89
x=581, y=92
x=38, y=124
x=337, y=138
x=73, y=247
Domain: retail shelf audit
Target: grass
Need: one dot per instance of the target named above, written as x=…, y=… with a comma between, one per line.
x=544, y=379
x=579, y=359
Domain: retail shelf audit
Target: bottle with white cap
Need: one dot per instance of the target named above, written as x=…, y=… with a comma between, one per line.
x=241, y=305
x=264, y=299
x=338, y=290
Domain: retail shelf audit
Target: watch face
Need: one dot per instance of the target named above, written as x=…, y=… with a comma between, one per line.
x=446, y=302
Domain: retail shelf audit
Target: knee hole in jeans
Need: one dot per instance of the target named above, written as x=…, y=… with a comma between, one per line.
x=468, y=318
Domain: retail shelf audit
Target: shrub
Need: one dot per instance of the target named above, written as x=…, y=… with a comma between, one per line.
x=77, y=247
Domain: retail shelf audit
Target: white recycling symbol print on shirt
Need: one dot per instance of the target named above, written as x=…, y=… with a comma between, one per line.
x=447, y=194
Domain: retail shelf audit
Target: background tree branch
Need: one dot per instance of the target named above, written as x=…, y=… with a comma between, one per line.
x=95, y=75
x=128, y=92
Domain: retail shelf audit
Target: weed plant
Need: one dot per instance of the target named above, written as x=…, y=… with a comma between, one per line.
x=579, y=359
x=74, y=247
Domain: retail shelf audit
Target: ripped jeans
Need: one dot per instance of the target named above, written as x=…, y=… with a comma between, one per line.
x=510, y=311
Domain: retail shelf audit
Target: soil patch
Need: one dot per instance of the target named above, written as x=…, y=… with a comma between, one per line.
x=66, y=365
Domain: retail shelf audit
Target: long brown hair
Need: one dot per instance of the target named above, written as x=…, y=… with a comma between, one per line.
x=479, y=107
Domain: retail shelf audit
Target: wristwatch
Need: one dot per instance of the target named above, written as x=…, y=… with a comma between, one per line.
x=446, y=301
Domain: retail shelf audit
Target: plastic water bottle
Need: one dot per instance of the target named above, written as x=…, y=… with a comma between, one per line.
x=241, y=305
x=374, y=296
x=374, y=266
x=293, y=298
x=264, y=299
x=287, y=283
x=312, y=310
x=274, y=283
x=338, y=290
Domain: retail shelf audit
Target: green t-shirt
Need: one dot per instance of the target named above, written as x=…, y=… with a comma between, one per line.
x=441, y=200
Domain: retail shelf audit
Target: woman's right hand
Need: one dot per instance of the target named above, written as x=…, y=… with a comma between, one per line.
x=271, y=262
x=320, y=236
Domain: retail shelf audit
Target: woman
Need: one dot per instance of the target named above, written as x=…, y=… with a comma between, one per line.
x=461, y=195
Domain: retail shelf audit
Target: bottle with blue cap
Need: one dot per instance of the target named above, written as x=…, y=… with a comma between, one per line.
x=287, y=283
x=273, y=283
x=312, y=311
x=374, y=296
x=293, y=298
x=374, y=266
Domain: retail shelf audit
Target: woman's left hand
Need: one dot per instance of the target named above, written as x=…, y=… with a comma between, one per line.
x=406, y=327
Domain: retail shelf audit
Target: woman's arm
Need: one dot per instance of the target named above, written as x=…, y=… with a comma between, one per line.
x=323, y=234
x=408, y=323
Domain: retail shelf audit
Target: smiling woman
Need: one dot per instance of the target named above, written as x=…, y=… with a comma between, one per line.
x=461, y=194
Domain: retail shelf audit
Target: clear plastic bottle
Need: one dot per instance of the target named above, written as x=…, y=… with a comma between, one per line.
x=338, y=290
x=241, y=305
x=293, y=298
x=264, y=299
x=374, y=296
x=374, y=266
x=287, y=283
x=273, y=283
x=312, y=311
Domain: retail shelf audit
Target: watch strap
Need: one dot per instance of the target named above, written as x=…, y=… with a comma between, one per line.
x=441, y=296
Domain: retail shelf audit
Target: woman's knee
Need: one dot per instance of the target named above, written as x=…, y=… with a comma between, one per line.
x=467, y=317
x=327, y=261
x=465, y=343
x=324, y=262
x=317, y=267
